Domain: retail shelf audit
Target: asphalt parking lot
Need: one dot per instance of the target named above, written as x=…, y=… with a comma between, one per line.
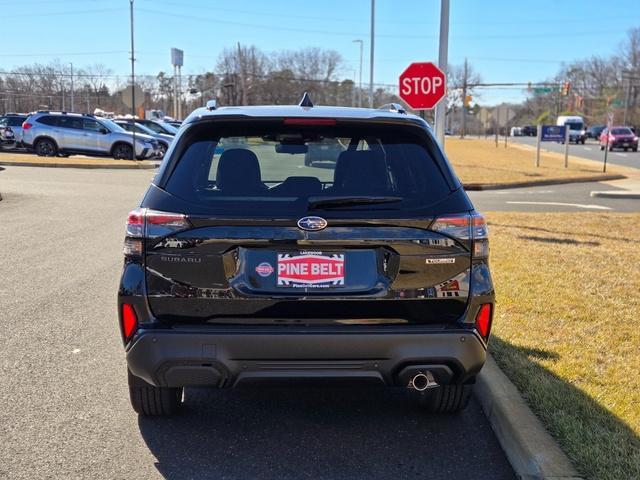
x=66, y=412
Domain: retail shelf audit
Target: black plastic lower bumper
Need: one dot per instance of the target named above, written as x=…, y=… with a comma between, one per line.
x=203, y=357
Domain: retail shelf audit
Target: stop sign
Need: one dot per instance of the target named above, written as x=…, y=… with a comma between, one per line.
x=422, y=85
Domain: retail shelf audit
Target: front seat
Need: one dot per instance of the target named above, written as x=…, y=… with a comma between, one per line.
x=239, y=173
x=361, y=172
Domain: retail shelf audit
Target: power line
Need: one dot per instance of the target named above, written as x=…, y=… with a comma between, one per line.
x=279, y=28
x=62, y=54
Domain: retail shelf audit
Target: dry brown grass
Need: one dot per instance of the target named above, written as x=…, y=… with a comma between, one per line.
x=567, y=330
x=480, y=161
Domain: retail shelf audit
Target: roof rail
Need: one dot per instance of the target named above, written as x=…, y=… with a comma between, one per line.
x=212, y=104
x=306, y=101
x=393, y=107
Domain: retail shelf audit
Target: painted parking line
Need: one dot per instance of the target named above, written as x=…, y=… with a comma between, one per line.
x=561, y=204
x=521, y=192
x=587, y=148
x=621, y=154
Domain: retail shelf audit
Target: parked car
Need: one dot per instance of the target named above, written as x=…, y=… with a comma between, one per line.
x=7, y=139
x=58, y=133
x=515, y=132
x=327, y=150
x=619, y=137
x=164, y=140
x=245, y=267
x=529, y=131
x=14, y=121
x=577, y=132
x=594, y=131
x=158, y=126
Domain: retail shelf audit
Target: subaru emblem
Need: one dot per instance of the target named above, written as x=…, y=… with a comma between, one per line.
x=312, y=223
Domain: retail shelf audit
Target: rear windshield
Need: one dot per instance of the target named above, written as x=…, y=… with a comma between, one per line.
x=12, y=121
x=621, y=131
x=287, y=169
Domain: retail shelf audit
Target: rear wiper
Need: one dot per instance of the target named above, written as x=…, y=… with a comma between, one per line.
x=336, y=202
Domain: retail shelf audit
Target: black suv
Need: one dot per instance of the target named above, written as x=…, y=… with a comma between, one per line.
x=245, y=266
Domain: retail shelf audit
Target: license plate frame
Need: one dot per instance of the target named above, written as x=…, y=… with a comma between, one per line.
x=311, y=270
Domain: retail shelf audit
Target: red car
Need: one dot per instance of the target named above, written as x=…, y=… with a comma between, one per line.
x=620, y=137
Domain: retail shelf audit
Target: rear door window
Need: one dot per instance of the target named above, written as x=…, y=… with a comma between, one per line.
x=283, y=169
x=48, y=120
x=70, y=122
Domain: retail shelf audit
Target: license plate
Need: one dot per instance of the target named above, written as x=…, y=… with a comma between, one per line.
x=310, y=270
x=625, y=144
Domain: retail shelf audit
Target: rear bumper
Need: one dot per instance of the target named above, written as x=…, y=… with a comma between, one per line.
x=199, y=357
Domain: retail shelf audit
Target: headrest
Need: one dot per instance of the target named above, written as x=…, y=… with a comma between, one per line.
x=361, y=172
x=239, y=172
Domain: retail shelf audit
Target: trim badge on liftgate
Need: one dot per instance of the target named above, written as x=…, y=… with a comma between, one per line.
x=437, y=261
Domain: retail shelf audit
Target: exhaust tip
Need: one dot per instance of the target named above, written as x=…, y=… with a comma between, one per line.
x=422, y=381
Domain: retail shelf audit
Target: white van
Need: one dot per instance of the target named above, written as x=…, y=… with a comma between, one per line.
x=577, y=131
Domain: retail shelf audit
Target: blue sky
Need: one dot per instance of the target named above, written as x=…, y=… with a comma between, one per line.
x=505, y=41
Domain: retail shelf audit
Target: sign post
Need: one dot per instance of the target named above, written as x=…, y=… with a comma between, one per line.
x=422, y=85
x=538, y=142
x=553, y=133
x=566, y=147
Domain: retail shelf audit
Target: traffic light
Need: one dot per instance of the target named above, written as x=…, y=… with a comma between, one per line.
x=566, y=87
x=467, y=100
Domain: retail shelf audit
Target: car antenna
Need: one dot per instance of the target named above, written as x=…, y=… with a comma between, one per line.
x=306, y=101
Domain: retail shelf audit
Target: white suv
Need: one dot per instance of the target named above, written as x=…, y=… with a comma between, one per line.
x=59, y=133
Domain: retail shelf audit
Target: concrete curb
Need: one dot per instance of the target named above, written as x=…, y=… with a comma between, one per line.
x=80, y=165
x=542, y=183
x=616, y=194
x=533, y=454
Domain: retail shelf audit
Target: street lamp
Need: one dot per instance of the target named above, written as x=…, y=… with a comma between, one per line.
x=133, y=88
x=360, y=79
x=373, y=16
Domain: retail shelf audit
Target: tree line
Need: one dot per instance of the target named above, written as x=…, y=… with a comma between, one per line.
x=593, y=87
x=243, y=75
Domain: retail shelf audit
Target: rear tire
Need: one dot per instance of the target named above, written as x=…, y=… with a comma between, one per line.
x=45, y=148
x=446, y=398
x=148, y=400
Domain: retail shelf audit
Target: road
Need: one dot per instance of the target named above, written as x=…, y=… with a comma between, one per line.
x=574, y=197
x=590, y=150
x=65, y=410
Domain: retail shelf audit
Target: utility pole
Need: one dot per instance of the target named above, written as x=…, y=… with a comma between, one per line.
x=175, y=91
x=243, y=86
x=360, y=79
x=373, y=18
x=133, y=88
x=463, y=122
x=626, y=95
x=73, y=103
x=441, y=107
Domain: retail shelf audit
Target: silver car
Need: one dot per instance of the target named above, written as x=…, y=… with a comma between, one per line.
x=58, y=133
x=14, y=122
x=164, y=139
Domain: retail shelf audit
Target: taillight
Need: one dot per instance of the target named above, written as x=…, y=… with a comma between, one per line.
x=310, y=121
x=145, y=223
x=26, y=125
x=129, y=321
x=465, y=227
x=483, y=320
